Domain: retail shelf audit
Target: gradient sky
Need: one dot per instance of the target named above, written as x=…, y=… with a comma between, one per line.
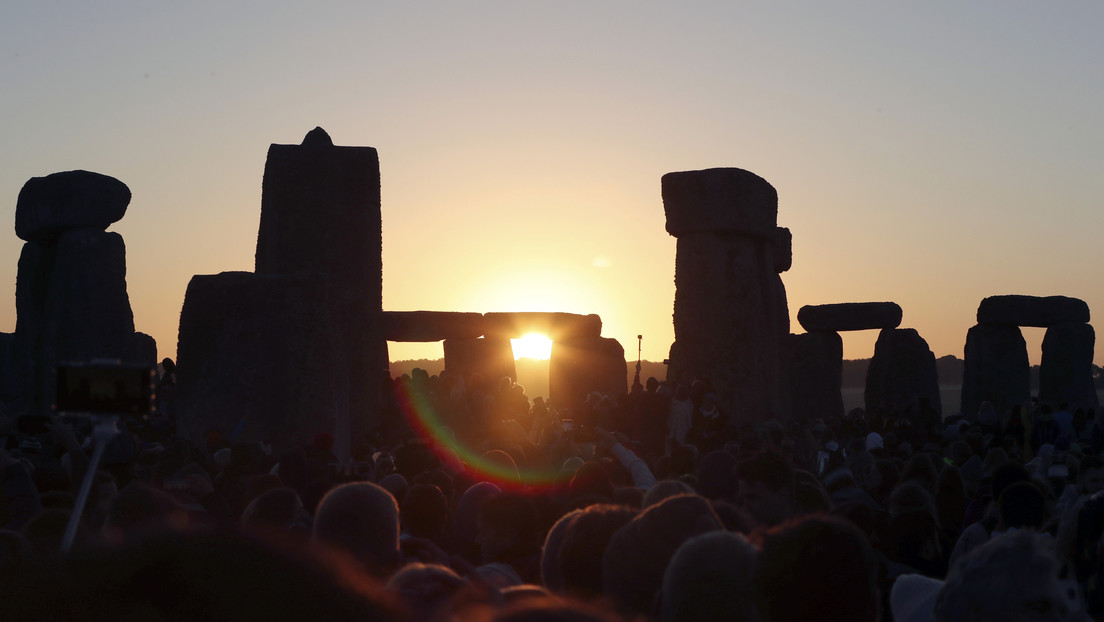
x=929, y=154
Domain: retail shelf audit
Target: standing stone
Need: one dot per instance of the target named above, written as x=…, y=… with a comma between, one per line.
x=50, y=205
x=730, y=312
x=320, y=213
x=815, y=375
x=1065, y=371
x=583, y=364
x=902, y=371
x=996, y=368
x=490, y=357
x=262, y=350
x=11, y=371
x=141, y=348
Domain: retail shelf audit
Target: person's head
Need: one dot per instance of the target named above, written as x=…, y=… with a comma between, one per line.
x=426, y=590
x=817, y=568
x=665, y=488
x=583, y=544
x=981, y=587
x=507, y=527
x=1022, y=506
x=637, y=555
x=424, y=511
x=766, y=487
x=361, y=519
x=710, y=578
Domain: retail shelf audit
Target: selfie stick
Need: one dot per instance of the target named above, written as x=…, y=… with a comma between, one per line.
x=104, y=430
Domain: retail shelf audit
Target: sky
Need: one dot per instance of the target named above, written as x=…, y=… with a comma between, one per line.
x=930, y=154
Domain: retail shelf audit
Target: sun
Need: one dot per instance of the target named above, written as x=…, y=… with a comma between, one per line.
x=532, y=346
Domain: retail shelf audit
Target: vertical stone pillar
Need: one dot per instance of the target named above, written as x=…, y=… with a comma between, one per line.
x=730, y=314
x=815, y=375
x=996, y=369
x=1065, y=371
x=262, y=350
x=320, y=214
x=901, y=371
x=580, y=365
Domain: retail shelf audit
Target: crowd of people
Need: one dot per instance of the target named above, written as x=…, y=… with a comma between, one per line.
x=470, y=501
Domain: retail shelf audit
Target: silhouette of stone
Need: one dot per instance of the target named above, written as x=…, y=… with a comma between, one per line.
x=1065, y=371
x=262, y=349
x=490, y=357
x=783, y=249
x=1032, y=310
x=996, y=368
x=730, y=313
x=850, y=316
x=11, y=371
x=71, y=305
x=729, y=200
x=141, y=348
x=430, y=325
x=553, y=325
x=320, y=213
x=578, y=366
x=49, y=205
x=815, y=375
x=902, y=371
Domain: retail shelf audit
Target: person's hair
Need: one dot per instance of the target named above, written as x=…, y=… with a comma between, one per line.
x=813, y=560
x=272, y=510
x=1022, y=505
x=425, y=589
x=510, y=511
x=1007, y=474
x=424, y=511
x=361, y=519
x=768, y=467
x=710, y=578
x=583, y=544
x=551, y=575
x=209, y=576
x=637, y=555
x=665, y=488
x=978, y=583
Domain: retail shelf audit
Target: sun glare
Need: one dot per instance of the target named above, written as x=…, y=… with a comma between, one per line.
x=532, y=346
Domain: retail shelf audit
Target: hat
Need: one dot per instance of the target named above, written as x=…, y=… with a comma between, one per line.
x=874, y=441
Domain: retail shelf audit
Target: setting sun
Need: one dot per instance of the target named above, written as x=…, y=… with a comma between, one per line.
x=532, y=346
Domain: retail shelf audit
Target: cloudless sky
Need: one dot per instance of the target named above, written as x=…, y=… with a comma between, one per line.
x=929, y=154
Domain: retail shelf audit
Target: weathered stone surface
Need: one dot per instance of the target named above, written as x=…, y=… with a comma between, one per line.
x=490, y=357
x=782, y=244
x=730, y=321
x=11, y=370
x=71, y=305
x=1037, y=311
x=141, y=348
x=430, y=325
x=320, y=213
x=729, y=200
x=850, y=316
x=815, y=374
x=1065, y=371
x=996, y=368
x=49, y=205
x=553, y=325
x=87, y=309
x=901, y=372
x=581, y=365
x=262, y=348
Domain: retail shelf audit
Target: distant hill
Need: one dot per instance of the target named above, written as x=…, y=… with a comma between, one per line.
x=533, y=374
